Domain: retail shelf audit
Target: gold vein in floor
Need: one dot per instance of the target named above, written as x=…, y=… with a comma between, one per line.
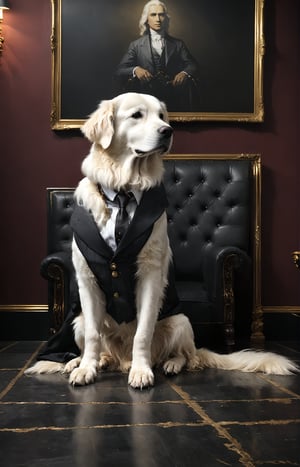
x=233, y=444
x=21, y=372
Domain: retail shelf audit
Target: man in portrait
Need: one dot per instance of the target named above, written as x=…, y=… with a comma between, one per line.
x=160, y=64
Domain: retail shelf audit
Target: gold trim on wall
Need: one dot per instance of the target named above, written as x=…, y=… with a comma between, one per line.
x=25, y=308
x=257, y=115
x=281, y=309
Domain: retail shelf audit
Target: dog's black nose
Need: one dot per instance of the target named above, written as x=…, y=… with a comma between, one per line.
x=166, y=131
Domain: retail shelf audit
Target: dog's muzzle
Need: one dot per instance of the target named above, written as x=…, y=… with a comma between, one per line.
x=163, y=141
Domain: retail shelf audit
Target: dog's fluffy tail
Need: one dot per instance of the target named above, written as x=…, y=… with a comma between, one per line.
x=45, y=366
x=248, y=361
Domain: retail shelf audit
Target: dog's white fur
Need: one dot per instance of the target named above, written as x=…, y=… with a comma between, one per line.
x=128, y=136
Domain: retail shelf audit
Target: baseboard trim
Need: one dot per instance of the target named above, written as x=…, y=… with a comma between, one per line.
x=24, y=322
x=281, y=309
x=31, y=322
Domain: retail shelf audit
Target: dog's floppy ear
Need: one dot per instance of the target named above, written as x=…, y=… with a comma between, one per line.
x=165, y=111
x=99, y=128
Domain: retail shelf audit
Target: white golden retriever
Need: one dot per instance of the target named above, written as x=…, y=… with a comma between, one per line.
x=130, y=134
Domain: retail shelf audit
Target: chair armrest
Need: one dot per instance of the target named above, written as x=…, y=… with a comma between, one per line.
x=219, y=261
x=58, y=269
x=56, y=264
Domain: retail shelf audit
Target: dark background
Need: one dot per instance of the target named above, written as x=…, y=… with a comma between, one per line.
x=218, y=33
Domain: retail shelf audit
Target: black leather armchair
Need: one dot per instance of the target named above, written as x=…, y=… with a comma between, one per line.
x=213, y=217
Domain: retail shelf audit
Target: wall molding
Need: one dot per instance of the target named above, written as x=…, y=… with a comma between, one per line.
x=281, y=309
x=25, y=308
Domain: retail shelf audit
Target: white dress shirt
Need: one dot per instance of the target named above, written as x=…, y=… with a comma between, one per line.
x=108, y=231
x=157, y=41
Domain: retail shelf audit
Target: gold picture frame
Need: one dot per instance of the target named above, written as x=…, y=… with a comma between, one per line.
x=89, y=37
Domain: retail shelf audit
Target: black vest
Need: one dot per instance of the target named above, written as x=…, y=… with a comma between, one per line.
x=115, y=271
x=159, y=61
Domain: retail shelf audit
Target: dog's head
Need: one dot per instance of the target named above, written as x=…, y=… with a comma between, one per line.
x=129, y=133
x=131, y=123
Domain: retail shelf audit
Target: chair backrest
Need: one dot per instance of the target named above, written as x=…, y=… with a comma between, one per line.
x=60, y=205
x=210, y=203
x=213, y=199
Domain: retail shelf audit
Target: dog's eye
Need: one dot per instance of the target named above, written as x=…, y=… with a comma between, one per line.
x=161, y=116
x=137, y=114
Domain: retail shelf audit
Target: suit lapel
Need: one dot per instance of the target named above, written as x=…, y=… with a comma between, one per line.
x=169, y=49
x=83, y=225
x=146, y=50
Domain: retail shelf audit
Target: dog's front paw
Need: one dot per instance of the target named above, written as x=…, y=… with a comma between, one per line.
x=83, y=375
x=140, y=378
x=74, y=363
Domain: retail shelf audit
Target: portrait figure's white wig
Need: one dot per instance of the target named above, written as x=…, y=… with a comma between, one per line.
x=143, y=23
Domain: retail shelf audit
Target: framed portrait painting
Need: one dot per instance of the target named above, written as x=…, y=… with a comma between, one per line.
x=207, y=65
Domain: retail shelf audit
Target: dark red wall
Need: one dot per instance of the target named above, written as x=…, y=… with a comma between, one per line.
x=34, y=157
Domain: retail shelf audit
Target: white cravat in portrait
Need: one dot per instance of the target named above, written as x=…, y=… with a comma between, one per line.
x=157, y=41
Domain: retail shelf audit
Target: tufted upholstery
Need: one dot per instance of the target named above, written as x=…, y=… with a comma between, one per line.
x=211, y=217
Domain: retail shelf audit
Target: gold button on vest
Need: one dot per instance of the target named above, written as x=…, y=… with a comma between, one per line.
x=115, y=274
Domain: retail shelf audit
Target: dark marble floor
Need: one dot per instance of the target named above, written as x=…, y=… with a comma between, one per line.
x=208, y=418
